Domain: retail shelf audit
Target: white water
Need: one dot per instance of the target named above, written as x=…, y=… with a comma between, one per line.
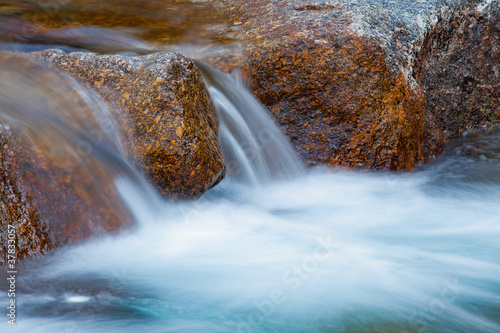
x=323, y=252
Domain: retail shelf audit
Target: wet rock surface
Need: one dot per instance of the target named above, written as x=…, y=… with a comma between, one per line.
x=370, y=84
x=97, y=25
x=54, y=189
x=167, y=120
x=458, y=68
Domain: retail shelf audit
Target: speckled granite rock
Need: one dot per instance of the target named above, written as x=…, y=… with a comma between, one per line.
x=167, y=120
x=371, y=83
x=458, y=68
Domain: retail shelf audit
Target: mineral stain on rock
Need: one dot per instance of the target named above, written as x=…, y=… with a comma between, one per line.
x=168, y=123
x=322, y=6
x=371, y=84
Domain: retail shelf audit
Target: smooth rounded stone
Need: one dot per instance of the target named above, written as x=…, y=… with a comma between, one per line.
x=167, y=120
x=360, y=83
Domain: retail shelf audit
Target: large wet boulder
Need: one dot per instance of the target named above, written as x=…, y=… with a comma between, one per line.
x=60, y=151
x=168, y=123
x=370, y=83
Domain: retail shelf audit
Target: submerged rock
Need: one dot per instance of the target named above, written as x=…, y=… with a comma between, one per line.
x=168, y=123
x=371, y=84
x=60, y=158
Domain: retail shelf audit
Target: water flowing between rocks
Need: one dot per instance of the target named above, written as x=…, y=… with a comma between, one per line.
x=313, y=251
x=275, y=247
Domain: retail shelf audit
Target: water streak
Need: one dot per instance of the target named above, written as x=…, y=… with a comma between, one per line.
x=338, y=252
x=253, y=146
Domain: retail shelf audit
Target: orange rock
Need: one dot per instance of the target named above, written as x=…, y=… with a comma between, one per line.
x=141, y=90
x=51, y=196
x=349, y=81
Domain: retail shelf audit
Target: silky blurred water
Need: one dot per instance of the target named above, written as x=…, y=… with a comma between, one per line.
x=326, y=252
x=254, y=149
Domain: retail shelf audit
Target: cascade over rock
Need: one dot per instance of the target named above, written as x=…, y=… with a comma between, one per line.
x=167, y=121
x=54, y=189
x=64, y=144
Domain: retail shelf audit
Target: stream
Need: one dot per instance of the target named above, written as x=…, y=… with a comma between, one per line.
x=275, y=247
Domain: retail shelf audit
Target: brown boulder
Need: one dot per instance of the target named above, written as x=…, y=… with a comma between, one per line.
x=167, y=120
x=359, y=84
x=56, y=188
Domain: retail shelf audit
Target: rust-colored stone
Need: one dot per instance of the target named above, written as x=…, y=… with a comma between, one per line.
x=340, y=105
x=347, y=81
x=167, y=120
x=168, y=128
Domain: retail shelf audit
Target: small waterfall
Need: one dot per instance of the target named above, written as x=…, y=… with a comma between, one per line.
x=254, y=148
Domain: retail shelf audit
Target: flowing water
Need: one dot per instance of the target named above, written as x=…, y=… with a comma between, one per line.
x=75, y=133
x=321, y=252
x=341, y=252
x=254, y=148
x=286, y=250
